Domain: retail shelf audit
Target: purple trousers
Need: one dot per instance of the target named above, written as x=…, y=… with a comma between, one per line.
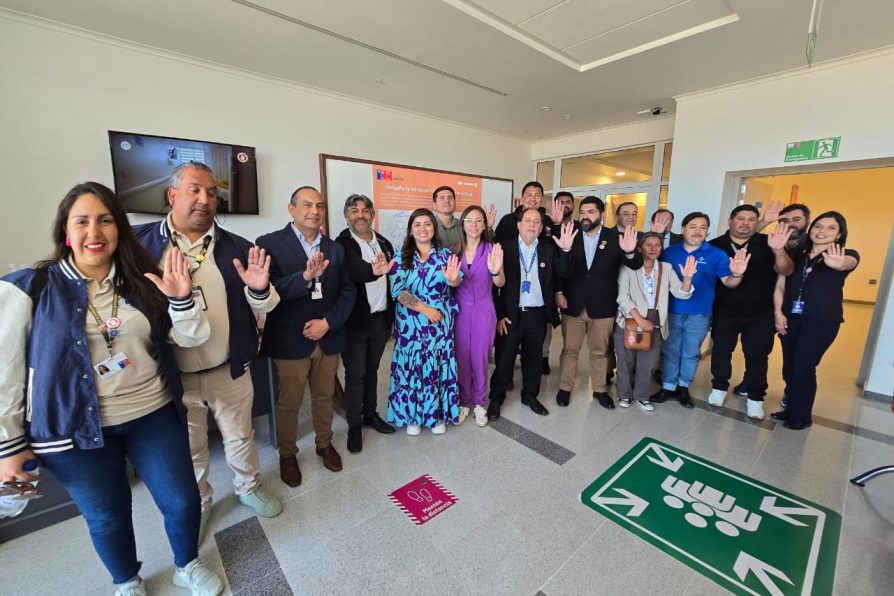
x=475, y=328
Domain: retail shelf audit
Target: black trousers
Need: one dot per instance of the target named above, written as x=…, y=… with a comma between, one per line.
x=757, y=342
x=803, y=347
x=361, y=359
x=525, y=335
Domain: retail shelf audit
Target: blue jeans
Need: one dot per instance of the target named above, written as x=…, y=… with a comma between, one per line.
x=681, y=351
x=158, y=447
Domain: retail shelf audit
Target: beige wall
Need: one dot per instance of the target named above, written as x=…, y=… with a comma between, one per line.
x=865, y=198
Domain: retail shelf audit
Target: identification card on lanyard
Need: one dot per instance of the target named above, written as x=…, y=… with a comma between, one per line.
x=798, y=304
x=526, y=283
x=112, y=366
x=317, y=292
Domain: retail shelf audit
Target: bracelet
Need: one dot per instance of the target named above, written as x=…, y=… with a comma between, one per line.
x=495, y=274
x=735, y=276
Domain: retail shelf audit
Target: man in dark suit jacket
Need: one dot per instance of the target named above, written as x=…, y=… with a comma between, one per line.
x=305, y=333
x=525, y=304
x=532, y=197
x=369, y=257
x=589, y=297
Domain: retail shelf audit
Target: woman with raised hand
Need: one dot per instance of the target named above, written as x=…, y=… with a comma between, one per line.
x=88, y=378
x=481, y=263
x=809, y=312
x=423, y=365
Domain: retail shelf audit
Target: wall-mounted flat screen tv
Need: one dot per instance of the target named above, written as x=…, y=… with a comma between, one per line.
x=142, y=164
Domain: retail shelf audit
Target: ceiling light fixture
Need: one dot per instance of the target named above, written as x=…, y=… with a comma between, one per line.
x=620, y=173
x=545, y=108
x=653, y=111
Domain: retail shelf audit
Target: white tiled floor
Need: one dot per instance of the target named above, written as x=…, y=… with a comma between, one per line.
x=518, y=526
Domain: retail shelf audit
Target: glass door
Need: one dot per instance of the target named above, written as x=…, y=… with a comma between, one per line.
x=642, y=198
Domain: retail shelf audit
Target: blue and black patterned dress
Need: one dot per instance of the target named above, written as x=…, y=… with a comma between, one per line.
x=423, y=364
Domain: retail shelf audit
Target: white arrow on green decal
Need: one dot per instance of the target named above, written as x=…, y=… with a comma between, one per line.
x=746, y=564
x=663, y=460
x=637, y=505
x=768, y=506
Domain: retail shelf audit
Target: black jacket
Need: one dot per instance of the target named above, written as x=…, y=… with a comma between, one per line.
x=361, y=274
x=507, y=229
x=551, y=262
x=596, y=288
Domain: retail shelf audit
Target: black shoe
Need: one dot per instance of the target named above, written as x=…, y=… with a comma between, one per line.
x=376, y=423
x=493, y=410
x=741, y=389
x=658, y=376
x=662, y=395
x=536, y=407
x=546, y=369
x=604, y=399
x=797, y=425
x=684, y=397
x=355, y=439
x=609, y=376
x=781, y=415
x=563, y=398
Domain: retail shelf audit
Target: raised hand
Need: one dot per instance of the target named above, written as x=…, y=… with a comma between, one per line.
x=175, y=281
x=257, y=275
x=627, y=240
x=491, y=213
x=688, y=269
x=779, y=238
x=834, y=257
x=316, y=265
x=451, y=271
x=662, y=223
x=556, y=213
x=567, y=238
x=739, y=263
x=495, y=260
x=771, y=211
x=381, y=265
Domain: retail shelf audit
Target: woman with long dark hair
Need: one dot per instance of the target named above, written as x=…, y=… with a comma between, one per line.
x=481, y=263
x=809, y=312
x=87, y=378
x=423, y=365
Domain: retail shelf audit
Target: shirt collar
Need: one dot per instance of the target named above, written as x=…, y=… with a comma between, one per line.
x=180, y=237
x=303, y=240
x=110, y=276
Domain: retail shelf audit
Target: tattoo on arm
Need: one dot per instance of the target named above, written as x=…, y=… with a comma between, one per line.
x=408, y=299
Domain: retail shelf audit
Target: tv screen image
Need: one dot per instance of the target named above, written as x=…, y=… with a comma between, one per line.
x=142, y=164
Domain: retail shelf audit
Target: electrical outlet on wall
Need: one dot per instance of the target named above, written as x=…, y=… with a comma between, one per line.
x=873, y=282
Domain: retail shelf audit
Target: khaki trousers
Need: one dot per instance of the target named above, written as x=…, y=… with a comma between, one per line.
x=230, y=402
x=597, y=332
x=317, y=370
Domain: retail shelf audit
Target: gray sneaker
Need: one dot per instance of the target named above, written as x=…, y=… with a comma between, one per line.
x=263, y=502
x=645, y=406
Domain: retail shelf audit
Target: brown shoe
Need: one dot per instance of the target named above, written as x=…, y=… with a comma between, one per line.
x=289, y=471
x=331, y=458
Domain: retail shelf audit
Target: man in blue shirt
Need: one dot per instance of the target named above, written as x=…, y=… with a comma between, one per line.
x=690, y=319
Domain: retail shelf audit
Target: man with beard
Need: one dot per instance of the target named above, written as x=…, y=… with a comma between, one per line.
x=747, y=311
x=215, y=375
x=449, y=228
x=566, y=200
x=369, y=258
x=588, y=298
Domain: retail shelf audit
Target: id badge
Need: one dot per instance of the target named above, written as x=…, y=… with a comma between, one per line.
x=797, y=307
x=526, y=287
x=112, y=366
x=199, y=296
x=317, y=292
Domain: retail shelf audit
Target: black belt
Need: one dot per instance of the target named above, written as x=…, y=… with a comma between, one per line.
x=380, y=313
x=198, y=372
x=529, y=308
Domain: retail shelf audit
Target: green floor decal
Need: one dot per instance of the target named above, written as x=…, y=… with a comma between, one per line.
x=745, y=535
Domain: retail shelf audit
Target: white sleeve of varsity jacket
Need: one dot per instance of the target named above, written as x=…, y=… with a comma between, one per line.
x=15, y=327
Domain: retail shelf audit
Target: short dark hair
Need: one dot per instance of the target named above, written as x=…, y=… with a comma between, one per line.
x=434, y=195
x=521, y=215
x=563, y=193
x=533, y=183
x=624, y=204
x=696, y=215
x=796, y=207
x=741, y=208
x=593, y=200
x=657, y=211
x=299, y=189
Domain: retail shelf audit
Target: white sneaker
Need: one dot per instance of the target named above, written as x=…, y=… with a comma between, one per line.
x=463, y=414
x=413, y=429
x=480, y=416
x=134, y=587
x=717, y=397
x=623, y=402
x=755, y=409
x=198, y=579
x=439, y=429
x=645, y=406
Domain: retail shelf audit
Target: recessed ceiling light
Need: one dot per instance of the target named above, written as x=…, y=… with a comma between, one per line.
x=545, y=108
x=620, y=173
x=567, y=116
x=379, y=81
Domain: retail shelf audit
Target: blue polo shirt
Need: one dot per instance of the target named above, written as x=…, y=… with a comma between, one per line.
x=713, y=264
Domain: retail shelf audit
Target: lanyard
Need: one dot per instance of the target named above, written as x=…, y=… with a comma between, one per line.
x=200, y=258
x=521, y=259
x=806, y=270
x=109, y=327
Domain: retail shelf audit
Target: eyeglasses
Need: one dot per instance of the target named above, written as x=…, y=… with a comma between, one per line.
x=473, y=220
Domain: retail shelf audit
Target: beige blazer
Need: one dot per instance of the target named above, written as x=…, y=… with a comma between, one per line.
x=632, y=293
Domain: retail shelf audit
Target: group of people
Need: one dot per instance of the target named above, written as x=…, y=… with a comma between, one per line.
x=124, y=332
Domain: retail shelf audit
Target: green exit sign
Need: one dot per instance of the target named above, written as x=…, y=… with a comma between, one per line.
x=814, y=149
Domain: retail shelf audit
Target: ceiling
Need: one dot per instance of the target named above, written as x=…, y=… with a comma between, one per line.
x=495, y=64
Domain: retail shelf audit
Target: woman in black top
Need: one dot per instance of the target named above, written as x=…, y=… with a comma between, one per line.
x=810, y=312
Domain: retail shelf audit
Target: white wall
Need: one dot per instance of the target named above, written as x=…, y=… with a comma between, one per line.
x=747, y=126
x=63, y=89
x=654, y=129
